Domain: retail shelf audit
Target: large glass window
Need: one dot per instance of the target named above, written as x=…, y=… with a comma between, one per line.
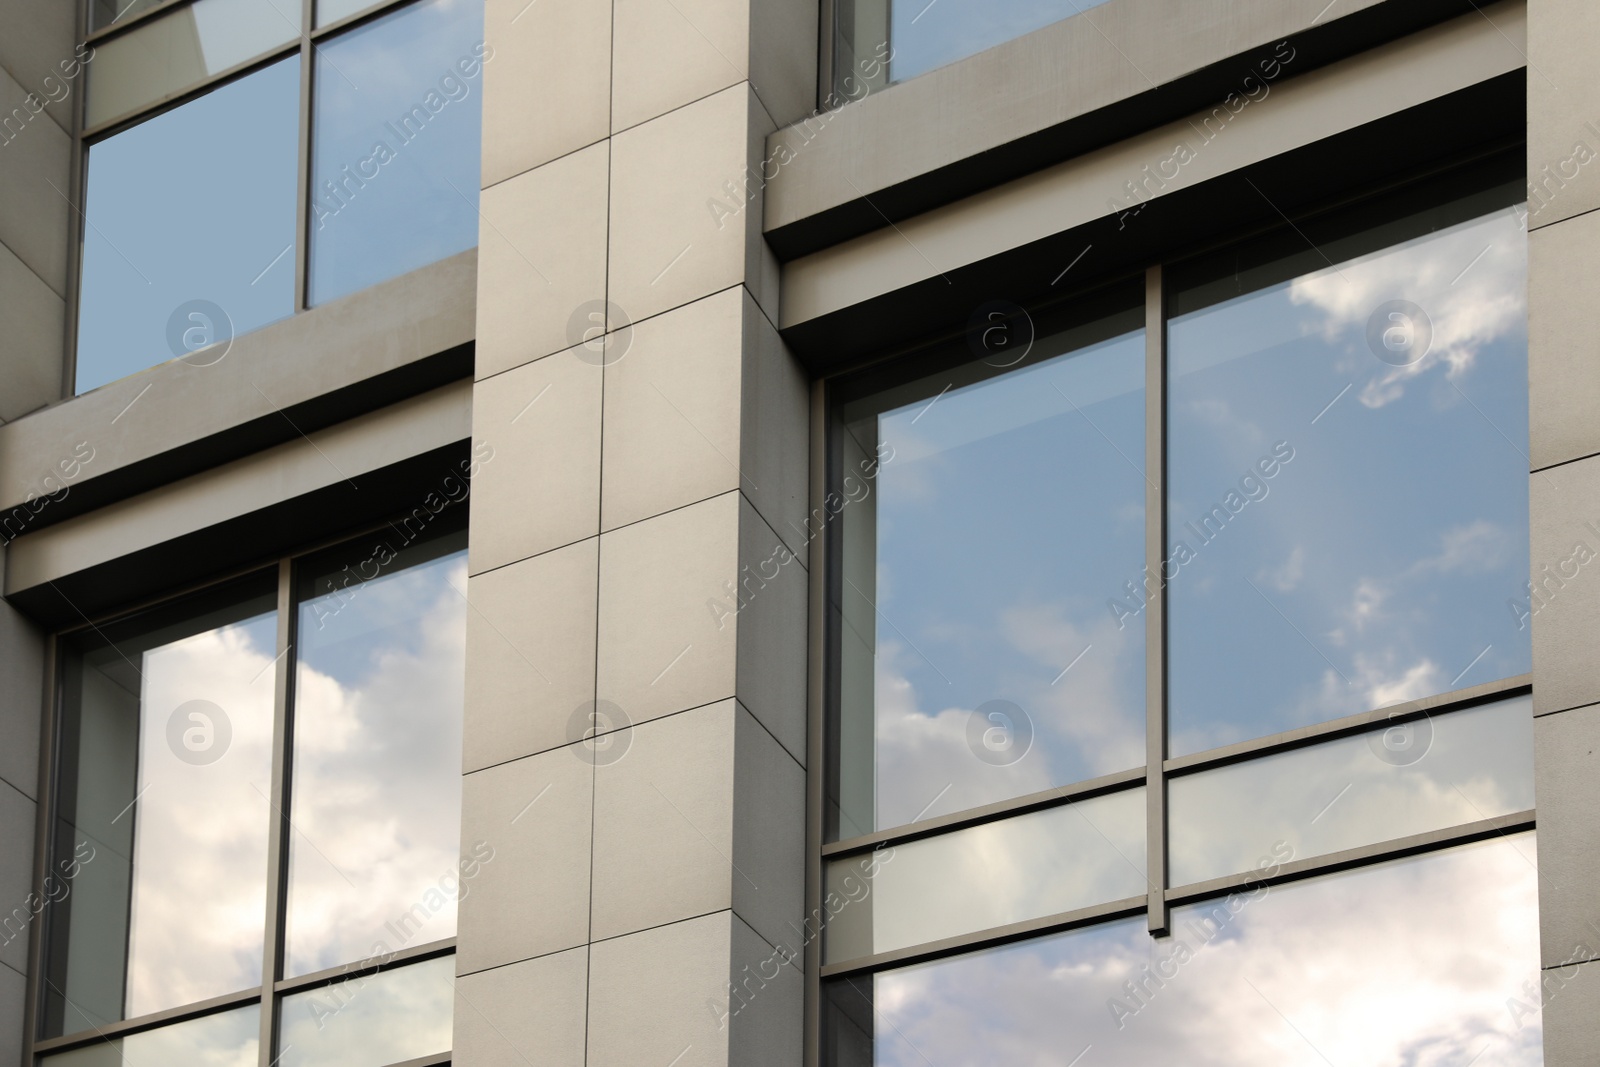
x=301, y=729
x=1209, y=758
x=215, y=91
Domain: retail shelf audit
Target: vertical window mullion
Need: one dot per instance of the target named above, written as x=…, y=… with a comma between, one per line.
x=1155, y=592
x=278, y=841
x=302, y=258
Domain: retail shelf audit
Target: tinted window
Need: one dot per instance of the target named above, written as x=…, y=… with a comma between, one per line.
x=190, y=228
x=397, y=129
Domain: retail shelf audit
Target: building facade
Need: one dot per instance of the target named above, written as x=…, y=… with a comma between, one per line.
x=698, y=532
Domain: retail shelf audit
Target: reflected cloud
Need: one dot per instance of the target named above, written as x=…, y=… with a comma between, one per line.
x=1409, y=964
x=377, y=798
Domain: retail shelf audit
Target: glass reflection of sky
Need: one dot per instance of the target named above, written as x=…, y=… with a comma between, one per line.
x=1025, y=867
x=1379, y=566
x=1409, y=963
x=1453, y=769
x=1009, y=511
x=198, y=896
x=930, y=33
x=377, y=766
x=224, y=234
x=390, y=1017
x=416, y=201
x=226, y=1039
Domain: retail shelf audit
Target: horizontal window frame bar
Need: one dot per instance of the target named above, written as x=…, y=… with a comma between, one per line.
x=127, y=120
x=1306, y=736
x=1116, y=782
x=152, y=1021
x=362, y=968
x=1110, y=911
x=271, y=563
x=1288, y=740
x=1197, y=892
x=118, y=123
x=1363, y=856
x=246, y=997
x=437, y=1059
x=351, y=21
x=119, y=27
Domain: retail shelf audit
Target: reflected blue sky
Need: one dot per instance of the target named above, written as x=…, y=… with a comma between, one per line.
x=377, y=765
x=223, y=233
x=930, y=33
x=396, y=135
x=1377, y=566
x=1005, y=509
x=1370, y=967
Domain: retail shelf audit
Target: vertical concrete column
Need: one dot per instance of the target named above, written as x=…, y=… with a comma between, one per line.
x=1564, y=388
x=637, y=642
x=36, y=96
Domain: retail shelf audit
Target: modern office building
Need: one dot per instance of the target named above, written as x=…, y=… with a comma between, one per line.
x=799, y=533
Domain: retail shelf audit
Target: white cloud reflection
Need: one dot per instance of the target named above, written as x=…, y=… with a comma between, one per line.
x=1471, y=280
x=1408, y=964
x=198, y=902
x=377, y=797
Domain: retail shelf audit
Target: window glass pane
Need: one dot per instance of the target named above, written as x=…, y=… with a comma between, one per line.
x=1025, y=867
x=103, y=13
x=376, y=789
x=396, y=140
x=161, y=833
x=170, y=267
x=1348, y=478
x=919, y=35
x=1391, y=782
x=334, y=10
x=227, y=1039
x=183, y=48
x=990, y=517
x=1410, y=962
x=388, y=1017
